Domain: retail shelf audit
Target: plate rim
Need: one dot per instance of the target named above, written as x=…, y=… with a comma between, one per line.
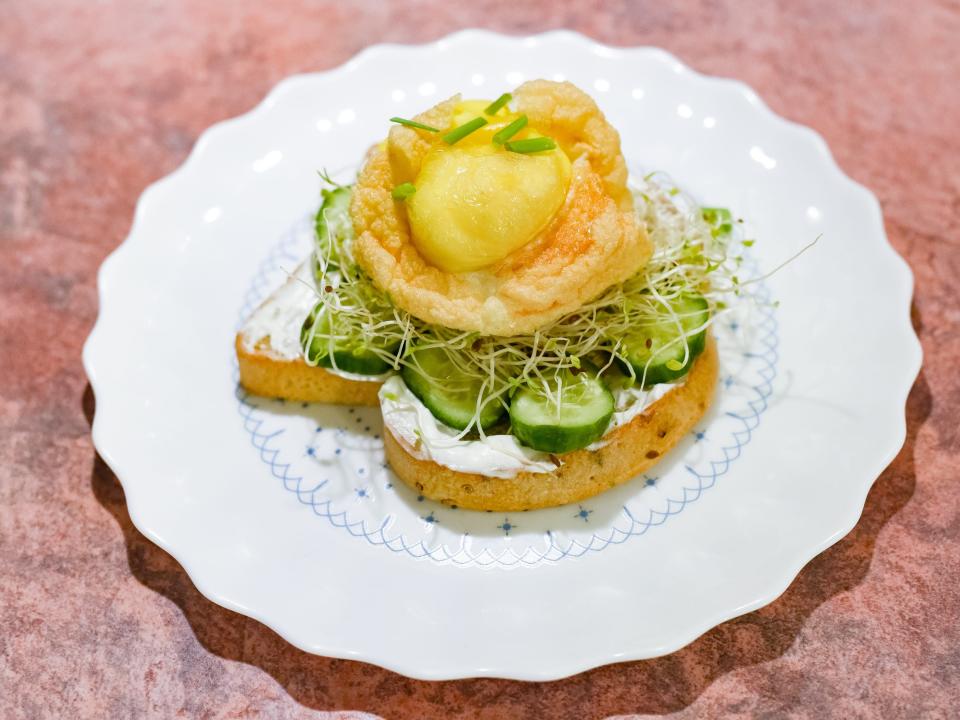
x=777, y=586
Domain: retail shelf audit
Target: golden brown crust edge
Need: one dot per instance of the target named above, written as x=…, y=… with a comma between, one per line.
x=631, y=449
x=264, y=374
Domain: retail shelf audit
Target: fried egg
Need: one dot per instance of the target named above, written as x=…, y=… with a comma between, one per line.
x=496, y=241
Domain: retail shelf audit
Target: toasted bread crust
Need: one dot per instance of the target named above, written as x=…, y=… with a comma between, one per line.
x=263, y=373
x=630, y=449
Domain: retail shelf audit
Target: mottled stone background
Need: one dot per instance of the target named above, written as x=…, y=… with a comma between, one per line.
x=98, y=99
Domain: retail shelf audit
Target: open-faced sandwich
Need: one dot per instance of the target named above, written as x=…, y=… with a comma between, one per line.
x=534, y=329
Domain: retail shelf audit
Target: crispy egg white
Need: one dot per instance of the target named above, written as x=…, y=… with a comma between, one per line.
x=493, y=241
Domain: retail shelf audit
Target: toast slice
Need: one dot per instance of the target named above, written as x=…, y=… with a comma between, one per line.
x=270, y=359
x=630, y=449
x=272, y=365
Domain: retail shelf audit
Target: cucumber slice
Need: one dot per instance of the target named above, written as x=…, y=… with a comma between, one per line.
x=657, y=352
x=450, y=394
x=580, y=418
x=323, y=346
x=333, y=215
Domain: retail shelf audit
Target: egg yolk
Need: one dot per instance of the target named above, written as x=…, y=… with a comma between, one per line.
x=477, y=202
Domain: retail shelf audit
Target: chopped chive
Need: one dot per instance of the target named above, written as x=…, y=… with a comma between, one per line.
x=510, y=130
x=530, y=145
x=413, y=124
x=403, y=191
x=494, y=107
x=748, y=243
x=459, y=133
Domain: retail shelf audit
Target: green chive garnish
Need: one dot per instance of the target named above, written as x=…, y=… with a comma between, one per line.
x=403, y=191
x=531, y=145
x=459, y=133
x=495, y=106
x=510, y=130
x=413, y=124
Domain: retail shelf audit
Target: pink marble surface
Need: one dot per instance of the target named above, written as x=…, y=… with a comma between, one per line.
x=99, y=99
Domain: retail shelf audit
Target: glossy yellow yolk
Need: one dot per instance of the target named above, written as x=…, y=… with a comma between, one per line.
x=477, y=202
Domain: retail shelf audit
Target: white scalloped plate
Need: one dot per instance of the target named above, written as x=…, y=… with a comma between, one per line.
x=286, y=514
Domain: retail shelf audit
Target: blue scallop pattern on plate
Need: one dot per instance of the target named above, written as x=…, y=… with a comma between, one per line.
x=332, y=459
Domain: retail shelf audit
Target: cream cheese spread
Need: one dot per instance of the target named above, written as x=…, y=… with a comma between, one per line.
x=277, y=321
x=494, y=455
